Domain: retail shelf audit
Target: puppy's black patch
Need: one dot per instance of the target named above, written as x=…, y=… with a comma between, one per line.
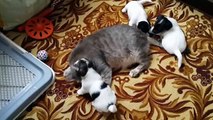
x=90, y=64
x=144, y=26
x=161, y=24
x=82, y=68
x=95, y=95
x=104, y=85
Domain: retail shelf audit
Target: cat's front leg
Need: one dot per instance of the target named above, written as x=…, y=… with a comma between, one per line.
x=104, y=70
x=142, y=66
x=155, y=42
x=106, y=75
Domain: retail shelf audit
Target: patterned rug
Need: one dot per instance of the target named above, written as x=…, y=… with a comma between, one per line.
x=161, y=92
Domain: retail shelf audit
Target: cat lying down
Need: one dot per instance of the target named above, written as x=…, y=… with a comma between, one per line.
x=111, y=49
x=103, y=96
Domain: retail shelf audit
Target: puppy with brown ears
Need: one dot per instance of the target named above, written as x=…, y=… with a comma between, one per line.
x=104, y=98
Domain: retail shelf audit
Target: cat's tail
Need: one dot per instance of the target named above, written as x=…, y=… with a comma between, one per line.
x=112, y=108
x=144, y=1
x=179, y=57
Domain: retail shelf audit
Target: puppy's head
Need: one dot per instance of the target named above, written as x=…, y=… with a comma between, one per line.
x=162, y=24
x=144, y=26
x=77, y=70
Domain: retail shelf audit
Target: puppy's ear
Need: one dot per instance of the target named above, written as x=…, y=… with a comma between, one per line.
x=90, y=64
x=160, y=17
x=144, y=26
x=168, y=24
x=81, y=68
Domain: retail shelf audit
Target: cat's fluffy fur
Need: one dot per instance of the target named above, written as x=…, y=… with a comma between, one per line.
x=111, y=49
x=104, y=99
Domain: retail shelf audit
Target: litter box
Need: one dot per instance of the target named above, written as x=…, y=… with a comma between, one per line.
x=23, y=78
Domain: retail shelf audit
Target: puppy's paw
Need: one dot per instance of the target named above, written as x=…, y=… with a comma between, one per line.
x=150, y=1
x=80, y=92
x=123, y=10
x=134, y=73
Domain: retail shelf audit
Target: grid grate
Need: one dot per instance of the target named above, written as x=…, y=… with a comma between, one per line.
x=13, y=78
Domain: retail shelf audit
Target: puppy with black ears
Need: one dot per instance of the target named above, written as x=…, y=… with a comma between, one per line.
x=104, y=98
x=137, y=15
x=173, y=38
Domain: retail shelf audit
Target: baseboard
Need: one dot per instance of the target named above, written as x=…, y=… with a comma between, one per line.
x=205, y=6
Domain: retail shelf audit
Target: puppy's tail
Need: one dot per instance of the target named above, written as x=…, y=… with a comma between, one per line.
x=179, y=57
x=145, y=1
x=112, y=108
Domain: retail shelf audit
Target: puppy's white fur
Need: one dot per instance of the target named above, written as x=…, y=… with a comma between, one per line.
x=135, y=11
x=173, y=40
x=91, y=83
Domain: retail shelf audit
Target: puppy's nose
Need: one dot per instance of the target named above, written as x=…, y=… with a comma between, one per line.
x=151, y=33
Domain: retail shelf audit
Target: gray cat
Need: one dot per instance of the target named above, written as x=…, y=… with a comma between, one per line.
x=111, y=49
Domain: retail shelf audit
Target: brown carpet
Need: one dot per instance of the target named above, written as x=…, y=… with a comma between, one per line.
x=161, y=92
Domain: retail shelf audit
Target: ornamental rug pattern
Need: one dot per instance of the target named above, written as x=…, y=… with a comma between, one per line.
x=161, y=92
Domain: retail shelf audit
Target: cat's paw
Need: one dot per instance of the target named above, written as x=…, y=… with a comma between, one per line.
x=134, y=73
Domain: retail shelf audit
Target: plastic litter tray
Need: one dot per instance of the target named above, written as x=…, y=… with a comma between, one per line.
x=23, y=78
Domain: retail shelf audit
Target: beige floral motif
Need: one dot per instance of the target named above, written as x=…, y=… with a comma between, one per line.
x=172, y=65
x=186, y=70
x=126, y=114
x=71, y=38
x=104, y=16
x=107, y=19
x=194, y=28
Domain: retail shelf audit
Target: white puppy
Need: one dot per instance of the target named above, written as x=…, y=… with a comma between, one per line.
x=173, y=38
x=104, y=98
x=137, y=15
